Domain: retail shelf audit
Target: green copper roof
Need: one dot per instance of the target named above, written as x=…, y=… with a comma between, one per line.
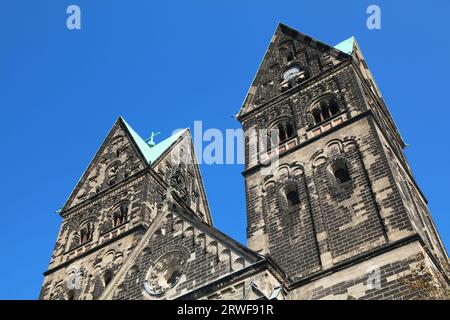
x=160, y=148
x=346, y=46
x=151, y=154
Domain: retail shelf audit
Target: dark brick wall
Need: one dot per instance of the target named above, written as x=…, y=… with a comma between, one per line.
x=328, y=207
x=91, y=260
x=401, y=272
x=290, y=228
x=336, y=221
x=389, y=289
x=205, y=261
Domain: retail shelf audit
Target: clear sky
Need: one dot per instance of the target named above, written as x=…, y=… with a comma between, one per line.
x=164, y=64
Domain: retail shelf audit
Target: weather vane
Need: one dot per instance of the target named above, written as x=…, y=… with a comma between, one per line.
x=151, y=141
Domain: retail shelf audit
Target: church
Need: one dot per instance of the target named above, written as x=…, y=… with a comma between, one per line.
x=338, y=215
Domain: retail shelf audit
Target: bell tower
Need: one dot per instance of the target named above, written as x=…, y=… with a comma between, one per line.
x=124, y=192
x=327, y=183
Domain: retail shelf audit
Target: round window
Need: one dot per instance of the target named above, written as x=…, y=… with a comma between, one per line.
x=291, y=73
x=165, y=273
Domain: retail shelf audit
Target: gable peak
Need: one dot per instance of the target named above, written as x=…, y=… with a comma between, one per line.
x=291, y=58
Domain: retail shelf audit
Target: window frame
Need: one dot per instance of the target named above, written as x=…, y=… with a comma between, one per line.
x=341, y=165
x=317, y=110
x=288, y=126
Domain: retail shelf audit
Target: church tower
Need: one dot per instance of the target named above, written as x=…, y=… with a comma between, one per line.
x=327, y=183
x=138, y=227
x=333, y=210
x=128, y=187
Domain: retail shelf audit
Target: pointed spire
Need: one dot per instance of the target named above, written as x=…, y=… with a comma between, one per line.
x=261, y=87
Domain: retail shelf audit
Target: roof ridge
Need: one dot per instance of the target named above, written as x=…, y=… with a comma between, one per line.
x=282, y=26
x=142, y=145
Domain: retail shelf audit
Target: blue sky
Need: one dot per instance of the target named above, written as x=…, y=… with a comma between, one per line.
x=164, y=64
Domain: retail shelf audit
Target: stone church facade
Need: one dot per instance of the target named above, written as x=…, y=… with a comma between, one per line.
x=337, y=216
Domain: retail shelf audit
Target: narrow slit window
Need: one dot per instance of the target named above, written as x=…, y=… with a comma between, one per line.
x=292, y=198
x=340, y=171
x=107, y=277
x=291, y=194
x=85, y=234
x=120, y=216
x=342, y=175
x=71, y=295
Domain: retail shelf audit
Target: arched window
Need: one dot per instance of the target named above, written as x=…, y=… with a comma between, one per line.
x=178, y=182
x=86, y=233
x=71, y=294
x=291, y=195
x=324, y=110
x=107, y=277
x=340, y=172
x=293, y=75
x=342, y=175
x=113, y=173
x=285, y=131
x=280, y=133
x=120, y=215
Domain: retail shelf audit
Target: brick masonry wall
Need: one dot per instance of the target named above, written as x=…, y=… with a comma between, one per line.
x=205, y=259
x=337, y=221
x=415, y=204
x=334, y=223
x=265, y=283
x=360, y=281
x=107, y=249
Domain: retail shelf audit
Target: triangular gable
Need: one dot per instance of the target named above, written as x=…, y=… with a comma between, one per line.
x=196, y=246
x=289, y=47
x=118, y=157
x=177, y=165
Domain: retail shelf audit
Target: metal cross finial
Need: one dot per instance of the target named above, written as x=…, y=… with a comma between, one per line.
x=151, y=141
